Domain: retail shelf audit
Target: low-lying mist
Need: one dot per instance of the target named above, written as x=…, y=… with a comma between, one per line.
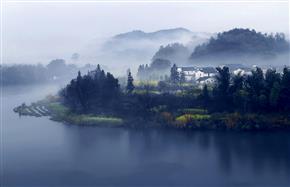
x=179, y=46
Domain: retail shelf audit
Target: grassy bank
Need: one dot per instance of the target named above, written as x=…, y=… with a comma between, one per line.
x=63, y=114
x=198, y=119
x=59, y=112
x=226, y=121
x=187, y=118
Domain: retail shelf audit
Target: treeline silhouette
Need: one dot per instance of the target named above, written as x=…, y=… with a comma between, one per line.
x=258, y=92
x=55, y=71
x=99, y=92
x=92, y=92
x=23, y=74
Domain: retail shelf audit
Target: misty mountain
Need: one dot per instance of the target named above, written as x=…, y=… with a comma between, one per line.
x=161, y=34
x=176, y=53
x=138, y=47
x=154, y=71
x=242, y=45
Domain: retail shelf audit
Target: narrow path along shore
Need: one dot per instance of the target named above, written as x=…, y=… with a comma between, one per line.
x=36, y=110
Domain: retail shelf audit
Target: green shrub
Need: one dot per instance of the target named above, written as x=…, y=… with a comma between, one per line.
x=93, y=120
x=190, y=119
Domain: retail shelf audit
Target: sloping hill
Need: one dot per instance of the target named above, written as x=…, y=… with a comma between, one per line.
x=242, y=43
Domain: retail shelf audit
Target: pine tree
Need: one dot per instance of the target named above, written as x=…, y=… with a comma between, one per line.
x=221, y=91
x=79, y=91
x=174, y=75
x=130, y=85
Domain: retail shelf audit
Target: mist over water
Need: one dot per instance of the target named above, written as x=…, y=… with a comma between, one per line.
x=50, y=43
x=40, y=152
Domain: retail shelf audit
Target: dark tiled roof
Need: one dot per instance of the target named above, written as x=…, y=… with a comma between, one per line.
x=203, y=69
x=208, y=70
x=188, y=68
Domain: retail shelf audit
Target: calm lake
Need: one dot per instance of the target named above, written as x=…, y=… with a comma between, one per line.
x=40, y=152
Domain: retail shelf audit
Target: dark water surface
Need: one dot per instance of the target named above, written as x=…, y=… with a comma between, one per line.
x=40, y=152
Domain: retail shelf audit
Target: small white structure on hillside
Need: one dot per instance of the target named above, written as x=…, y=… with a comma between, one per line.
x=195, y=73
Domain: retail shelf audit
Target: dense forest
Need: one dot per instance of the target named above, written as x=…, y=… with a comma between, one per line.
x=260, y=93
x=242, y=42
x=91, y=92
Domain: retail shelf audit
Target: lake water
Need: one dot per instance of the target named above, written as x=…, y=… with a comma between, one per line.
x=40, y=152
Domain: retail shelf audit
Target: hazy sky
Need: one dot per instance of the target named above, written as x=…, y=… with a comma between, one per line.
x=36, y=32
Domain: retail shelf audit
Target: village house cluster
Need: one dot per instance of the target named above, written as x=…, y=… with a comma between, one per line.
x=206, y=75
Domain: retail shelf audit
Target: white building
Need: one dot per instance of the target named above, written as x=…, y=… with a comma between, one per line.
x=195, y=73
x=205, y=81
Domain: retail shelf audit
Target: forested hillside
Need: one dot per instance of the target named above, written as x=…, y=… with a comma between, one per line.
x=242, y=43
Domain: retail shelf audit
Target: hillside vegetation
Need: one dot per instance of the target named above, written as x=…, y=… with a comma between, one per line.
x=242, y=43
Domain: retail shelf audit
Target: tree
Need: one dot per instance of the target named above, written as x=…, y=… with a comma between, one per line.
x=205, y=97
x=174, y=75
x=163, y=86
x=271, y=77
x=93, y=92
x=237, y=83
x=56, y=67
x=274, y=95
x=240, y=100
x=160, y=64
x=237, y=92
x=130, y=85
x=284, y=98
x=221, y=91
x=254, y=85
x=182, y=77
x=79, y=90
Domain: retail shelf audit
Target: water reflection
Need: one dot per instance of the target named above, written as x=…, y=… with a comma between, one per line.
x=41, y=152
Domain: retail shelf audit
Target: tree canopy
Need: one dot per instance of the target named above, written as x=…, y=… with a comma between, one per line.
x=90, y=92
x=242, y=42
x=258, y=92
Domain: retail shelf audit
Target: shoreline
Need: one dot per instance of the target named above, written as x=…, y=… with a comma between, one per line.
x=187, y=121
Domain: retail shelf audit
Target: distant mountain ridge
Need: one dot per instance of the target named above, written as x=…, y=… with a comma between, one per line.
x=183, y=46
x=138, y=47
x=137, y=34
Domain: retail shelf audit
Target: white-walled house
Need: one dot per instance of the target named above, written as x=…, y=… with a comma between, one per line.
x=195, y=73
x=189, y=72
